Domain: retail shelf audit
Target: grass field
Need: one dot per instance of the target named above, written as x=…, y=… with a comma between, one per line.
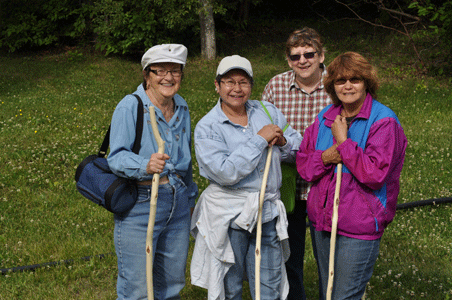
x=56, y=106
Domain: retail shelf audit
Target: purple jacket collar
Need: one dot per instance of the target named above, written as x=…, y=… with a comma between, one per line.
x=335, y=110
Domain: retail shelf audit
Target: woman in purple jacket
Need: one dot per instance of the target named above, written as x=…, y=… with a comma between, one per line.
x=367, y=138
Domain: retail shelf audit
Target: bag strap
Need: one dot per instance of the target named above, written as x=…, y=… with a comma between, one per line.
x=138, y=132
x=139, y=126
x=268, y=114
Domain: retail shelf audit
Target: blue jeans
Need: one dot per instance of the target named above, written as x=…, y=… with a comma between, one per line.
x=170, y=243
x=294, y=266
x=314, y=250
x=244, y=245
x=353, y=264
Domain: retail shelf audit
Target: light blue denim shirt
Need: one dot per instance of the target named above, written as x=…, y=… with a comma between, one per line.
x=234, y=156
x=176, y=133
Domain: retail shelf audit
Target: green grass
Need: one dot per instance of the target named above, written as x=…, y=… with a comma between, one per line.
x=56, y=107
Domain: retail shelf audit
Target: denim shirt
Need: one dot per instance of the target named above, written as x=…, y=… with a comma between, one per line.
x=234, y=156
x=176, y=133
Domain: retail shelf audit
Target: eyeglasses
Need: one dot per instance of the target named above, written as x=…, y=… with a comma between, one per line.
x=307, y=55
x=232, y=83
x=163, y=72
x=353, y=80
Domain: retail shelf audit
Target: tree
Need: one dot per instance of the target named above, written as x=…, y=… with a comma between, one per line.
x=428, y=27
x=236, y=17
x=133, y=25
x=38, y=23
x=440, y=17
x=207, y=26
x=404, y=19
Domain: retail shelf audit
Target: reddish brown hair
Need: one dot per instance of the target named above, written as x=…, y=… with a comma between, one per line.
x=350, y=64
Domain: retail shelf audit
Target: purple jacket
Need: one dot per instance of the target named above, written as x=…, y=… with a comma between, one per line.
x=372, y=158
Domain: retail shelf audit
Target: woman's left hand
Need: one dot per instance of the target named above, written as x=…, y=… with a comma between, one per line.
x=339, y=129
x=156, y=163
x=280, y=141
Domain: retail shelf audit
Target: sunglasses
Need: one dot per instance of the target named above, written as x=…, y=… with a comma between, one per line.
x=307, y=55
x=353, y=80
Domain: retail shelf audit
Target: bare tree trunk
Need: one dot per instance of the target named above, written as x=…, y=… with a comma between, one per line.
x=244, y=11
x=207, y=24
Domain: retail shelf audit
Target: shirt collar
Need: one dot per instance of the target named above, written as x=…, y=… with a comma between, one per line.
x=222, y=116
x=178, y=100
x=293, y=84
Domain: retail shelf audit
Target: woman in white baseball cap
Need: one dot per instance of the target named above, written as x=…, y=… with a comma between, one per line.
x=162, y=75
x=231, y=144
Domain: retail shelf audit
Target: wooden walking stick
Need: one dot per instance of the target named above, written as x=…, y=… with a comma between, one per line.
x=154, y=194
x=257, y=263
x=329, y=290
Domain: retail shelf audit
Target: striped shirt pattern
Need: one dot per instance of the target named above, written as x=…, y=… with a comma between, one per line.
x=299, y=107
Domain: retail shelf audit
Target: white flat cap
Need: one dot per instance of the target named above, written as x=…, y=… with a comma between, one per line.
x=174, y=53
x=234, y=62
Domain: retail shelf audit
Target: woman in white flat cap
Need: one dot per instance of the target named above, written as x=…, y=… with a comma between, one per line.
x=231, y=144
x=162, y=72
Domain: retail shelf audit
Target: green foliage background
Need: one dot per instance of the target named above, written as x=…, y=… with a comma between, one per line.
x=127, y=27
x=55, y=107
x=111, y=26
x=37, y=23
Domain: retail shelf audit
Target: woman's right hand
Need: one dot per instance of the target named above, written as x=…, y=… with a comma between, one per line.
x=156, y=163
x=271, y=133
x=339, y=129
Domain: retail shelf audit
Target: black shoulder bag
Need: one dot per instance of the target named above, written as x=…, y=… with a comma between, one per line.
x=95, y=180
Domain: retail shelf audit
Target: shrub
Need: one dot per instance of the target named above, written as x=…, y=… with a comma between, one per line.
x=129, y=26
x=439, y=16
x=36, y=23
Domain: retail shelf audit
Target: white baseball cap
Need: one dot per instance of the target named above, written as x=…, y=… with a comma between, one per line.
x=234, y=62
x=174, y=53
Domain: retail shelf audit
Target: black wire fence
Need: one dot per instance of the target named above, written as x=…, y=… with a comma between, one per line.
x=87, y=258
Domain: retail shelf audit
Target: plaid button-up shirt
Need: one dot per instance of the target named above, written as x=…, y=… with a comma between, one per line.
x=299, y=107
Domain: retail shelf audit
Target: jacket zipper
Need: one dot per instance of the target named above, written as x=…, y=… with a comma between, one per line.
x=326, y=195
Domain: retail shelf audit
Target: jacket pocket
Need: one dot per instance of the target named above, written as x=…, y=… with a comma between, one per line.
x=359, y=214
